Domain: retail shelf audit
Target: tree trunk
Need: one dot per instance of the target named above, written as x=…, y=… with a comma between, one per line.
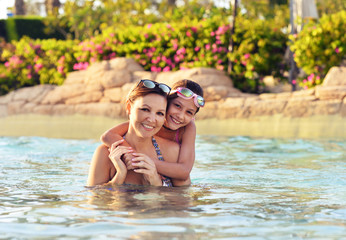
x=171, y=3
x=19, y=8
x=52, y=6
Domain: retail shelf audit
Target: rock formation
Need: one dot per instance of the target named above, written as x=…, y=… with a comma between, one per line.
x=102, y=89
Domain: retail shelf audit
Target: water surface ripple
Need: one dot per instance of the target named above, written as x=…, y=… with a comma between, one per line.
x=243, y=188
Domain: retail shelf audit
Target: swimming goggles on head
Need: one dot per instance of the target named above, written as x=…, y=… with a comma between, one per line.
x=151, y=84
x=188, y=94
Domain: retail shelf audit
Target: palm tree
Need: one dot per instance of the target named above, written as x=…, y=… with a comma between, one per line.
x=19, y=7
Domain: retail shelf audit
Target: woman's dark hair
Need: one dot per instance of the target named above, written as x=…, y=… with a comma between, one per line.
x=185, y=83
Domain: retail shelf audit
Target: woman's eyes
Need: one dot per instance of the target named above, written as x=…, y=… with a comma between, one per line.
x=148, y=110
x=177, y=105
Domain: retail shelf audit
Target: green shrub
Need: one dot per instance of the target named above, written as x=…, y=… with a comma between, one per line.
x=33, y=27
x=320, y=46
x=157, y=47
x=258, y=51
x=30, y=62
x=3, y=28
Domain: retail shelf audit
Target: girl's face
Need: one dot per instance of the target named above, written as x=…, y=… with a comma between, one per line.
x=180, y=112
x=147, y=114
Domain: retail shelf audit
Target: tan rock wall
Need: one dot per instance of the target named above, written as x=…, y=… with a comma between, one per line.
x=102, y=88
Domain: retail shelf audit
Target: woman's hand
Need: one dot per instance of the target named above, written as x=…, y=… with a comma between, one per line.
x=115, y=154
x=146, y=166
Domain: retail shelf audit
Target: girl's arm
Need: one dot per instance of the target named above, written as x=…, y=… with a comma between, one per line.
x=114, y=134
x=181, y=170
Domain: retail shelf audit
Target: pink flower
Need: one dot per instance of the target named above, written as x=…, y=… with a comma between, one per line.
x=61, y=69
x=111, y=34
x=175, y=46
x=318, y=78
x=305, y=87
x=38, y=67
x=188, y=34
x=176, y=58
x=244, y=63
x=146, y=35
x=181, y=51
x=194, y=29
x=7, y=64
x=207, y=46
x=294, y=81
x=197, y=49
x=166, y=69
x=219, y=61
x=149, y=25
x=29, y=76
x=337, y=50
x=85, y=65
x=246, y=56
x=212, y=34
x=311, y=77
x=304, y=81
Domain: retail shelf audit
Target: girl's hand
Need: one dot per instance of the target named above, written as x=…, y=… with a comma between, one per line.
x=127, y=159
x=146, y=166
x=115, y=154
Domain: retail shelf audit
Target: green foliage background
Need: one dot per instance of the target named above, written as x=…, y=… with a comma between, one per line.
x=161, y=37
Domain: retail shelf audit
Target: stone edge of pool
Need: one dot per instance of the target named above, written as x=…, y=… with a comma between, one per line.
x=330, y=127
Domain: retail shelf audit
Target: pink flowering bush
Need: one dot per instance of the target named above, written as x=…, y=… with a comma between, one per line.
x=320, y=46
x=158, y=47
x=30, y=62
x=258, y=51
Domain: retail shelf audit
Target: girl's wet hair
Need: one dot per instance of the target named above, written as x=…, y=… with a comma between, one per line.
x=139, y=90
x=185, y=83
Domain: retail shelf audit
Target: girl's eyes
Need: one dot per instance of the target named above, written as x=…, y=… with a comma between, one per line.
x=177, y=105
x=161, y=114
x=190, y=113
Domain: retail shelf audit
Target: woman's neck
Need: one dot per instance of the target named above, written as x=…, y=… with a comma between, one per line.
x=137, y=142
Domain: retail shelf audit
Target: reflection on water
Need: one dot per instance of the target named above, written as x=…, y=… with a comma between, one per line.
x=242, y=188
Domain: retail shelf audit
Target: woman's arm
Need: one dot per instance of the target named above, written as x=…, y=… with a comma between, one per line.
x=181, y=169
x=114, y=134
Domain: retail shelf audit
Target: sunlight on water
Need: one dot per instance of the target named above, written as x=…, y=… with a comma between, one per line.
x=243, y=188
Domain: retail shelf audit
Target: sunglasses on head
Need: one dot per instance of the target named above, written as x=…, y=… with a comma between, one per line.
x=188, y=94
x=151, y=84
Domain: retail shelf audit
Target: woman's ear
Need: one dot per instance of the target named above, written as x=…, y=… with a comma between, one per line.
x=128, y=107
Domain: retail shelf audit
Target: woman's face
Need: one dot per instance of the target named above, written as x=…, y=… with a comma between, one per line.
x=180, y=113
x=147, y=114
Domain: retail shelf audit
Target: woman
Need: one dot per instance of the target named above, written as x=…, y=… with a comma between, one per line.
x=184, y=102
x=146, y=108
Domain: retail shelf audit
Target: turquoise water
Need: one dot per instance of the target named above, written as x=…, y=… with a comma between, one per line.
x=243, y=188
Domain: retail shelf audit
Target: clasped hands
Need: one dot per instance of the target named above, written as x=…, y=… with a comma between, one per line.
x=125, y=158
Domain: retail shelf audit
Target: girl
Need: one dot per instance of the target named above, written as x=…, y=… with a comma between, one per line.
x=184, y=102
